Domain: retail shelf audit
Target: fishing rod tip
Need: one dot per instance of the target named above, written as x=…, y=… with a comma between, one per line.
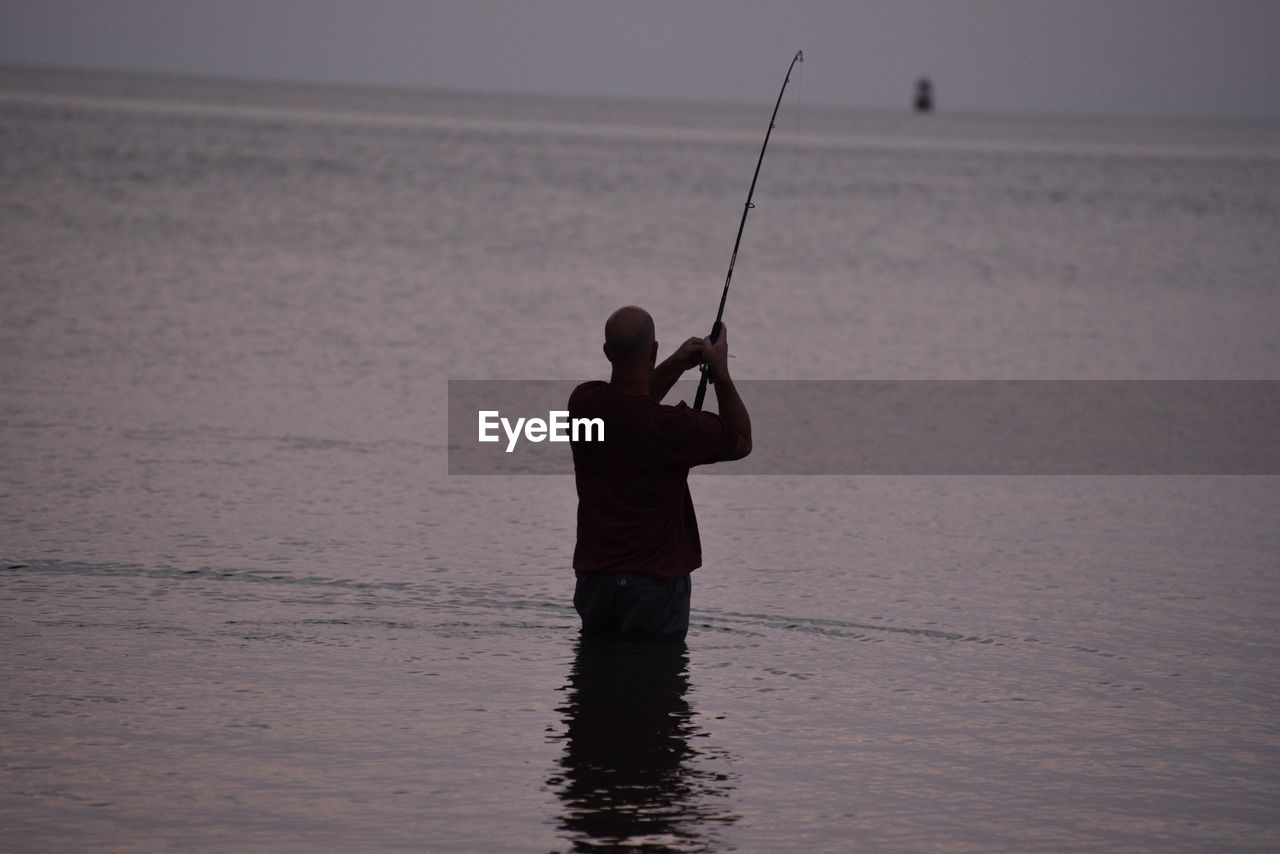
x=799, y=56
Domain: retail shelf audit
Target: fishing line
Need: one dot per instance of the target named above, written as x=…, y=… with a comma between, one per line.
x=724, y=295
x=797, y=180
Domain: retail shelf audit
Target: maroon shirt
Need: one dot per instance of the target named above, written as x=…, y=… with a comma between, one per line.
x=635, y=513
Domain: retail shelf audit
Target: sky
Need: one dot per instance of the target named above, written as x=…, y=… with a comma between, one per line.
x=1176, y=58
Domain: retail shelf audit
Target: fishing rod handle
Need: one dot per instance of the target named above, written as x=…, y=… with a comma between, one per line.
x=706, y=371
x=702, y=390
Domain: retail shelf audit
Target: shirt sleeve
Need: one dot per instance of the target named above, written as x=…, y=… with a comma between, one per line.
x=701, y=437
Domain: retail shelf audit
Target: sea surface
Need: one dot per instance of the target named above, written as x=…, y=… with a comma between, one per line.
x=244, y=605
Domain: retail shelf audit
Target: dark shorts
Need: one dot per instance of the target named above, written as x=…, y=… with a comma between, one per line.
x=634, y=607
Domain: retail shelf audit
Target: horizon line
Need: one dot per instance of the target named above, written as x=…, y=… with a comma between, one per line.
x=656, y=100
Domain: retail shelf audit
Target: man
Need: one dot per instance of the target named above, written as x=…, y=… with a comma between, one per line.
x=637, y=533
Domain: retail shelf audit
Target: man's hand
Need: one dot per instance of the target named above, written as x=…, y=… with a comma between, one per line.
x=717, y=355
x=690, y=354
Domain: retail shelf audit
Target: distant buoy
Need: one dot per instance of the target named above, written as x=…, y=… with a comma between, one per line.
x=924, y=96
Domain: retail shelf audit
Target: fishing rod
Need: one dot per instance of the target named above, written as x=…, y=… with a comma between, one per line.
x=715, y=327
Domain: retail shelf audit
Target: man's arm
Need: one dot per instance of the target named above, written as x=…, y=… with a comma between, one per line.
x=730, y=404
x=690, y=354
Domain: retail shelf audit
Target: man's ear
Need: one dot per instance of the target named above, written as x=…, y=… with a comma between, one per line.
x=605, y=348
x=653, y=353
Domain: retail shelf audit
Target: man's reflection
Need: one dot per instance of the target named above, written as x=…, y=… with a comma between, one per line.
x=628, y=773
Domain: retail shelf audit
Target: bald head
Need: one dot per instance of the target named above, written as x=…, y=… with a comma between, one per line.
x=629, y=336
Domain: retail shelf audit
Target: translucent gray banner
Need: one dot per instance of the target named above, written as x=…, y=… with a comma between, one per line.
x=931, y=427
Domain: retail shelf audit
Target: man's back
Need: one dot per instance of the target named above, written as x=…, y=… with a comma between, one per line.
x=635, y=514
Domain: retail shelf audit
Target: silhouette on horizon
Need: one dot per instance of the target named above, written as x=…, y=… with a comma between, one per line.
x=924, y=95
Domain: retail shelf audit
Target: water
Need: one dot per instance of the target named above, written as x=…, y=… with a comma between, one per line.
x=242, y=602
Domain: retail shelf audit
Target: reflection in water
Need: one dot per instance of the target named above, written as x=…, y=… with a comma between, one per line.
x=629, y=774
